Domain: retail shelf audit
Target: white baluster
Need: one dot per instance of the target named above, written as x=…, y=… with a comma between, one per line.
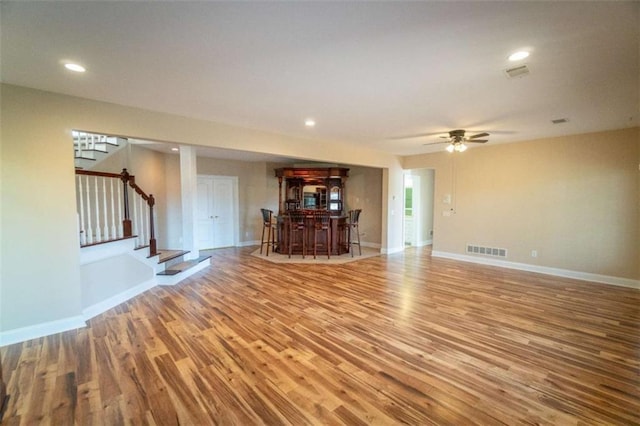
x=114, y=233
x=83, y=233
x=143, y=239
x=98, y=231
x=134, y=222
x=89, y=228
x=120, y=230
x=105, y=207
x=146, y=221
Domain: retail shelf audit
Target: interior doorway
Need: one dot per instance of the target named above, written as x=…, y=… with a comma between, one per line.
x=418, y=207
x=217, y=211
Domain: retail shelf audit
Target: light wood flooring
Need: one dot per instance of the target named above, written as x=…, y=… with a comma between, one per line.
x=398, y=339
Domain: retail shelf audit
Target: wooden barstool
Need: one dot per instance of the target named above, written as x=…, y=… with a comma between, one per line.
x=322, y=223
x=352, y=224
x=268, y=225
x=297, y=226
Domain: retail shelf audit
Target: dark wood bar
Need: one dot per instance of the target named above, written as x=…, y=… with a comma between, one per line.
x=311, y=190
x=338, y=236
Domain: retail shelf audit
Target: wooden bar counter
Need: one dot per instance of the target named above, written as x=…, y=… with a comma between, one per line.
x=338, y=236
x=312, y=189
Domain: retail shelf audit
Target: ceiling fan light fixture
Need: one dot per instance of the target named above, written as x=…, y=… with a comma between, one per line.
x=461, y=147
x=450, y=147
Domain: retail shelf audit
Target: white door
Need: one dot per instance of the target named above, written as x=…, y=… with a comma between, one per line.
x=216, y=211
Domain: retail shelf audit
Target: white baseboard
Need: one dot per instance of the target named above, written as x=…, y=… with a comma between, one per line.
x=40, y=330
x=114, y=301
x=566, y=273
x=248, y=243
x=423, y=243
x=391, y=250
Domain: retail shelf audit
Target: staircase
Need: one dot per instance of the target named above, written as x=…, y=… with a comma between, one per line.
x=91, y=148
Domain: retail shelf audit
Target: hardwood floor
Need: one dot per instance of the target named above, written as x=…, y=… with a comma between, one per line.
x=403, y=338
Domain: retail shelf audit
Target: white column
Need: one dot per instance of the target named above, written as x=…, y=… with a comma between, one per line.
x=189, y=194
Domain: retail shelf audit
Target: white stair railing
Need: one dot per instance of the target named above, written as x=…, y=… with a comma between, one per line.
x=103, y=201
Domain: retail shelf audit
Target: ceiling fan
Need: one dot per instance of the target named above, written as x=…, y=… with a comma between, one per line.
x=457, y=140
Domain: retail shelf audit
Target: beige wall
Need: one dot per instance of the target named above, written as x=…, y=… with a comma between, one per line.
x=364, y=191
x=40, y=279
x=574, y=199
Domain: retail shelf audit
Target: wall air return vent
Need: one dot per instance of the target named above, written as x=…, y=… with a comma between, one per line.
x=517, y=72
x=486, y=251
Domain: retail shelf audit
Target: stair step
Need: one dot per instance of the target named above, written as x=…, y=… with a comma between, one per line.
x=180, y=267
x=167, y=255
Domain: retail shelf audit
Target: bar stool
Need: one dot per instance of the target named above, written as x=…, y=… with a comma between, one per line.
x=352, y=224
x=297, y=229
x=268, y=225
x=322, y=223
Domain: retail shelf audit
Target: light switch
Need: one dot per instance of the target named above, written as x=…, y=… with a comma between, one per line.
x=446, y=199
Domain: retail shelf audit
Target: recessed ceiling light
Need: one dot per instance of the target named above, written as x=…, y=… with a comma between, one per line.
x=175, y=149
x=74, y=67
x=517, y=56
x=309, y=122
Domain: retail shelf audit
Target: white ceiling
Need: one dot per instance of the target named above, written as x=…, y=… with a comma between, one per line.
x=367, y=72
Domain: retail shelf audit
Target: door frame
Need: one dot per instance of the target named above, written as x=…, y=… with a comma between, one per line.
x=236, y=207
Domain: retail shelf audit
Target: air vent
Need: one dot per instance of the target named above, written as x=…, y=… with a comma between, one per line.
x=520, y=71
x=560, y=120
x=486, y=251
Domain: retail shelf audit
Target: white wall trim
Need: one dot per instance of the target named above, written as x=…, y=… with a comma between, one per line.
x=584, y=276
x=40, y=330
x=391, y=250
x=424, y=243
x=248, y=243
x=117, y=299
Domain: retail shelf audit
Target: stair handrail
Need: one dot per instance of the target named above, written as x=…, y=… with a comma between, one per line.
x=129, y=180
x=150, y=202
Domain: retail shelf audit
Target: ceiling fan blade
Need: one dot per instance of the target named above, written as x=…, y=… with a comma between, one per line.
x=478, y=140
x=417, y=135
x=479, y=135
x=435, y=143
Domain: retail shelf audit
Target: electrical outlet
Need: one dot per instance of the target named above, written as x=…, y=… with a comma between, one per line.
x=534, y=253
